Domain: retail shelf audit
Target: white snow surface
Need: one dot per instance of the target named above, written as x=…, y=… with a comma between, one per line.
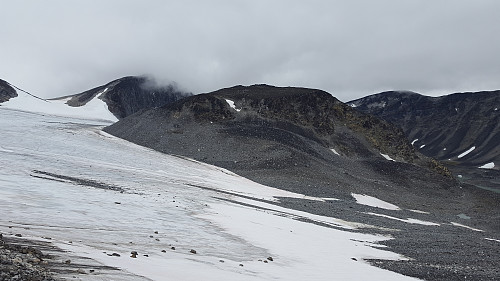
x=184, y=200
x=95, y=109
x=387, y=157
x=373, y=202
x=414, y=141
x=231, y=104
x=490, y=165
x=334, y=151
x=466, y=152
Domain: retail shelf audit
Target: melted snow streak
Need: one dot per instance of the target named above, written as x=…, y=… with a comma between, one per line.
x=387, y=157
x=466, y=152
x=65, y=179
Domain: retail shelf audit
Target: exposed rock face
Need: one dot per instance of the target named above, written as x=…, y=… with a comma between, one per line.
x=6, y=91
x=444, y=127
x=128, y=95
x=284, y=137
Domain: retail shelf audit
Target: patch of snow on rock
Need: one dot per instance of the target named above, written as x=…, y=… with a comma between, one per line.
x=414, y=141
x=408, y=220
x=231, y=104
x=491, y=239
x=387, y=157
x=488, y=166
x=422, y=146
x=374, y=202
x=334, y=151
x=464, y=226
x=466, y=152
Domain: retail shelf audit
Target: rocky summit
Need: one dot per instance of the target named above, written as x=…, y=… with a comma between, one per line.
x=130, y=94
x=6, y=91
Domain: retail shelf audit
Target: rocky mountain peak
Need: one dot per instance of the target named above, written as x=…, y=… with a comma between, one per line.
x=6, y=91
x=130, y=94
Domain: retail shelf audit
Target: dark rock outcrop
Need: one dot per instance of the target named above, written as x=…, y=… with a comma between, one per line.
x=128, y=95
x=6, y=91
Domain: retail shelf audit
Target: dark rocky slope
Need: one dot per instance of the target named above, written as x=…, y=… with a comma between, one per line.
x=284, y=137
x=6, y=91
x=128, y=95
x=446, y=127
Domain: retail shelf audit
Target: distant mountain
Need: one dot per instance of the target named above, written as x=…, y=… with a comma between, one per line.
x=462, y=129
x=6, y=91
x=298, y=139
x=128, y=95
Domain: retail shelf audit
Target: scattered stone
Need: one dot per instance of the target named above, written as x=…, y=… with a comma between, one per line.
x=133, y=254
x=18, y=235
x=151, y=236
x=270, y=258
x=91, y=271
x=192, y=251
x=221, y=261
x=173, y=248
x=157, y=239
x=156, y=232
x=265, y=261
x=67, y=261
x=117, y=203
x=241, y=264
x=115, y=254
x=354, y=259
x=146, y=256
x=81, y=271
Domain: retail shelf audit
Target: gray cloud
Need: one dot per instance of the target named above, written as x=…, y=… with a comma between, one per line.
x=348, y=48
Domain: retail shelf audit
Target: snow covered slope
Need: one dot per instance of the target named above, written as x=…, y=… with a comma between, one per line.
x=100, y=197
x=94, y=109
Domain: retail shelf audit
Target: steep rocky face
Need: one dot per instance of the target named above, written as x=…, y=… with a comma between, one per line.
x=6, y=91
x=461, y=129
x=297, y=139
x=128, y=95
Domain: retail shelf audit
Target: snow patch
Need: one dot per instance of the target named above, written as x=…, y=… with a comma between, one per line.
x=418, y=211
x=465, y=226
x=422, y=146
x=373, y=202
x=231, y=104
x=387, y=157
x=491, y=239
x=414, y=141
x=408, y=220
x=488, y=166
x=334, y=151
x=467, y=152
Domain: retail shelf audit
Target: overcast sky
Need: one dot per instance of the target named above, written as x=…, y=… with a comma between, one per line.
x=348, y=48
